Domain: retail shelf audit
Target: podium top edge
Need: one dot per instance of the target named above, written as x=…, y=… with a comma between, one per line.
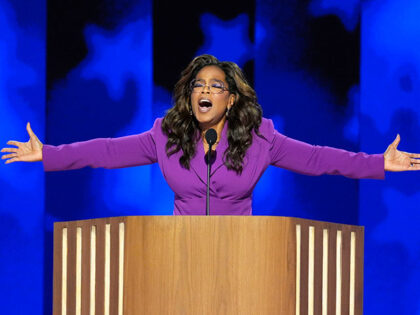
x=124, y=219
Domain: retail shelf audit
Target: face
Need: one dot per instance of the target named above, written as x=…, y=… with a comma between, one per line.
x=209, y=108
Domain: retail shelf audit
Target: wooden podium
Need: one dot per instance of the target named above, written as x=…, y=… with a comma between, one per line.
x=207, y=265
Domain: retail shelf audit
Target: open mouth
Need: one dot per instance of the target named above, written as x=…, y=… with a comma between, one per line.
x=204, y=105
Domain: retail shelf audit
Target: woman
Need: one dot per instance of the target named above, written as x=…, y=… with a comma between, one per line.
x=212, y=94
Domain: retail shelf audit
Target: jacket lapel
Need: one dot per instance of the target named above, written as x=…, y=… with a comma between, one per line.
x=198, y=162
x=220, y=150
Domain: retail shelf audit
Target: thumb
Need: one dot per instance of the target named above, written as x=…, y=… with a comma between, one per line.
x=29, y=130
x=396, y=142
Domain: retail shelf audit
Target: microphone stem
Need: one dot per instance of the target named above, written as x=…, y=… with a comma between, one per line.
x=208, y=182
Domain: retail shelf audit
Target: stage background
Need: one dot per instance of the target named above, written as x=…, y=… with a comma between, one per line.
x=327, y=72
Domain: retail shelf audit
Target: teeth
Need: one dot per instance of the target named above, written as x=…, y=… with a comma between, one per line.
x=205, y=102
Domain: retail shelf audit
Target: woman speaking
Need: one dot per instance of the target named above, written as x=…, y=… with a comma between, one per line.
x=212, y=95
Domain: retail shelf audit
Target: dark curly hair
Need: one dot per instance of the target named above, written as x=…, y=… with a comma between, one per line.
x=182, y=128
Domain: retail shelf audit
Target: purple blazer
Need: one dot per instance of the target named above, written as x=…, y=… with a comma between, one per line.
x=230, y=193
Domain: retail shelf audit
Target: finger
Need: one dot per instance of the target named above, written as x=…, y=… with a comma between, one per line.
x=414, y=161
x=15, y=159
x=414, y=167
x=8, y=156
x=12, y=142
x=413, y=155
x=9, y=150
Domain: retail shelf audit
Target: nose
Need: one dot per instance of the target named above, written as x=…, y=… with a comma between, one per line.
x=208, y=89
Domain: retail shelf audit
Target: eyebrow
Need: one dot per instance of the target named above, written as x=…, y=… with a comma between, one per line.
x=212, y=79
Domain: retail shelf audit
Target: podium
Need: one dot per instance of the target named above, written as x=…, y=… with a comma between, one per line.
x=207, y=265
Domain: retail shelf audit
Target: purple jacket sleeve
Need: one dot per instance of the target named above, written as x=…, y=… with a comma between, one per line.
x=107, y=153
x=308, y=159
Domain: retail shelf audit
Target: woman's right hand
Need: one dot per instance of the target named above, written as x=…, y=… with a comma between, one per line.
x=30, y=151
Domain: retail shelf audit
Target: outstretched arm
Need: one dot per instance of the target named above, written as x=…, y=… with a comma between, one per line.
x=120, y=152
x=309, y=159
x=316, y=160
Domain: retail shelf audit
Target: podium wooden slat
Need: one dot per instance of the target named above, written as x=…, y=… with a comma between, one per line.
x=86, y=232
x=319, y=231
x=57, y=272
x=332, y=252
x=304, y=268
x=71, y=270
x=345, y=284
x=359, y=272
x=114, y=268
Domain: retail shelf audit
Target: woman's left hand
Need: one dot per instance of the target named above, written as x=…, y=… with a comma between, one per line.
x=398, y=161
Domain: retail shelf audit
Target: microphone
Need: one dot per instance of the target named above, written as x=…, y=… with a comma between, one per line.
x=211, y=137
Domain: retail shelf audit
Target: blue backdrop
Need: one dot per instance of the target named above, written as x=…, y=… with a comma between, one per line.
x=22, y=99
x=390, y=85
x=336, y=73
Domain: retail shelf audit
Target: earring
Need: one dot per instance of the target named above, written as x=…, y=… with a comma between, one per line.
x=227, y=112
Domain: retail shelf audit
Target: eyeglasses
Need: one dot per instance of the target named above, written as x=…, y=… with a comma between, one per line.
x=215, y=87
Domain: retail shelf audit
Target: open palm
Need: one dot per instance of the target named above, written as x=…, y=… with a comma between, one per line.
x=30, y=151
x=398, y=161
